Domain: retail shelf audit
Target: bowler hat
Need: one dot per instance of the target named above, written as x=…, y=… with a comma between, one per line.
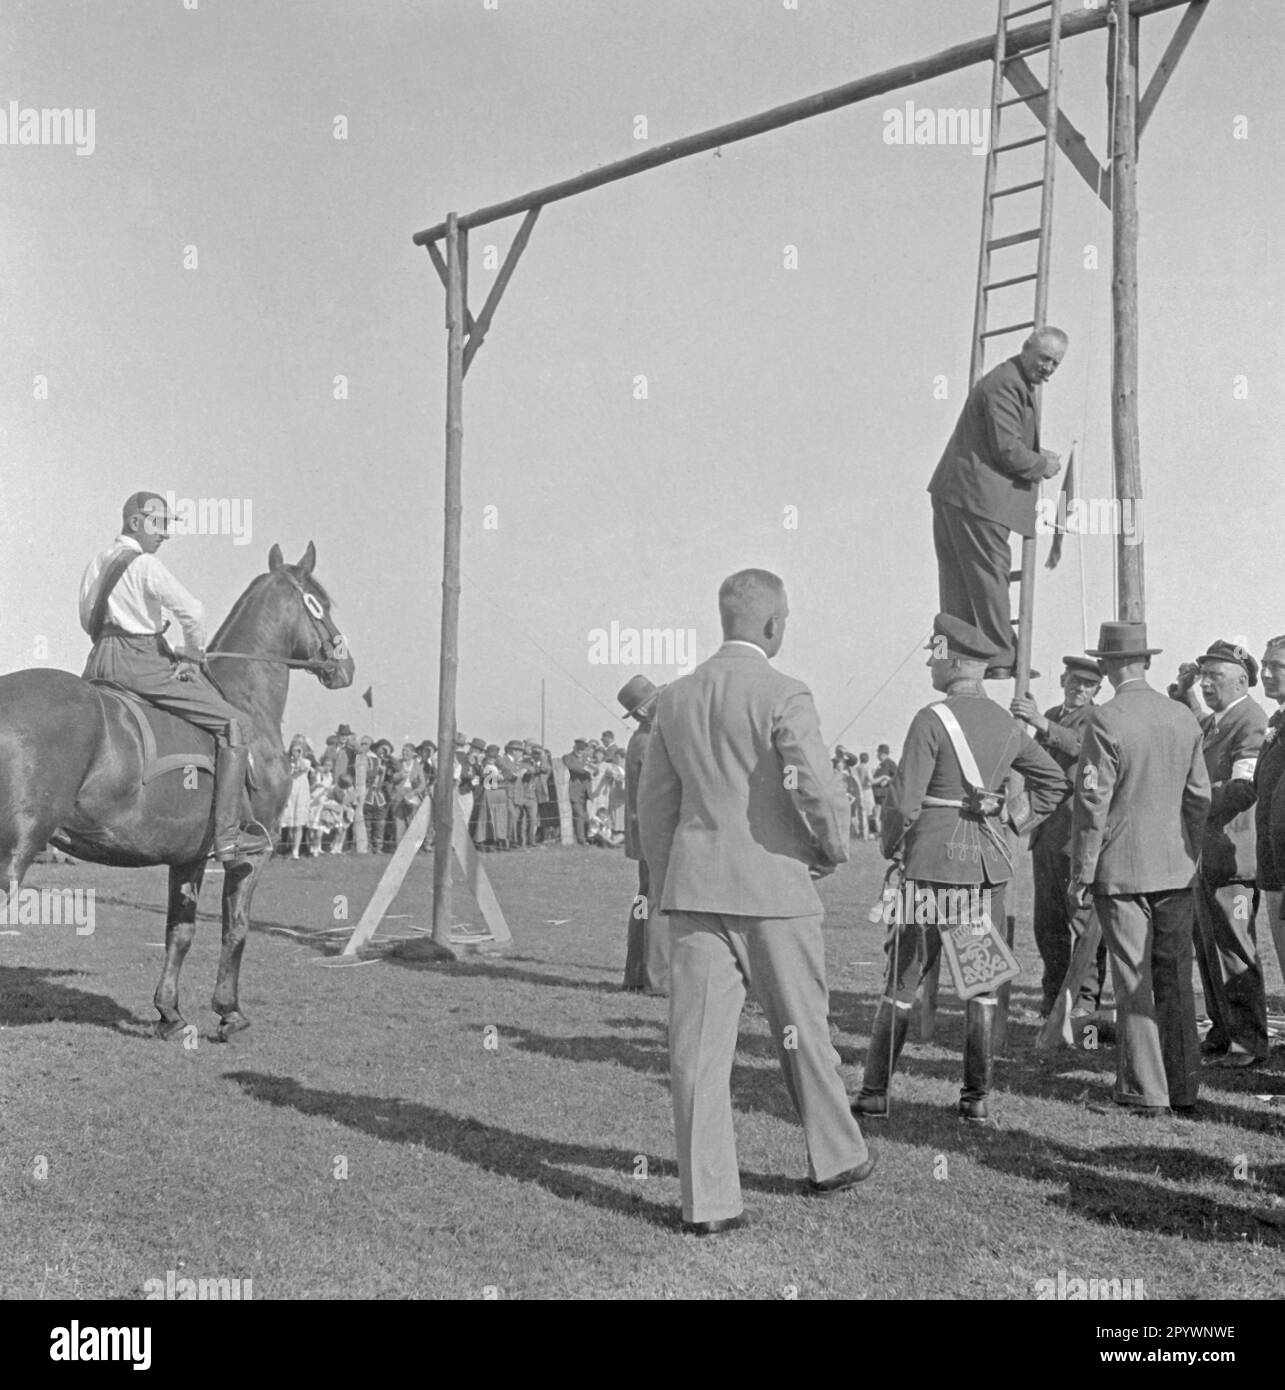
x=635, y=693
x=1120, y=640
x=343, y=731
x=477, y=743
x=1083, y=666
x=513, y=743
x=1235, y=655
x=492, y=750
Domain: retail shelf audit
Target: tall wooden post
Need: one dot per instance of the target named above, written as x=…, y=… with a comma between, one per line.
x=1124, y=304
x=444, y=789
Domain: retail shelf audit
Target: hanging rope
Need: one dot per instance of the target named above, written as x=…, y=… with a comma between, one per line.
x=918, y=647
x=615, y=714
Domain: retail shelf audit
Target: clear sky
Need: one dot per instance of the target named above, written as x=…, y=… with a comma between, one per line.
x=768, y=388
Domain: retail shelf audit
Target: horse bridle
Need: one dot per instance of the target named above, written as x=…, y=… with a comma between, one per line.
x=334, y=648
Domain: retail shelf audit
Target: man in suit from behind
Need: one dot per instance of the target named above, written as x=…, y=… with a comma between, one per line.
x=1138, y=817
x=739, y=812
x=1226, y=886
x=985, y=487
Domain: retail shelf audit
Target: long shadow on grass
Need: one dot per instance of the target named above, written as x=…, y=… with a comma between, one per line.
x=1093, y=1187
x=506, y=1152
x=32, y=995
x=411, y=955
x=758, y=1088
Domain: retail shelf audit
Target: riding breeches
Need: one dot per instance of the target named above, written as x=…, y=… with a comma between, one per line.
x=143, y=665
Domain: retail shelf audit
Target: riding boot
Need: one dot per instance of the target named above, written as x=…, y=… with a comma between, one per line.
x=230, y=840
x=979, y=1037
x=887, y=1035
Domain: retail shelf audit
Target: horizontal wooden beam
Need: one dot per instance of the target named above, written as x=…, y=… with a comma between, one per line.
x=1020, y=40
x=1070, y=140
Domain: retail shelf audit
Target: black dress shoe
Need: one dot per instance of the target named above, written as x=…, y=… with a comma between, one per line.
x=1146, y=1112
x=974, y=1110
x=842, y=1181
x=1240, y=1061
x=870, y=1107
x=713, y=1228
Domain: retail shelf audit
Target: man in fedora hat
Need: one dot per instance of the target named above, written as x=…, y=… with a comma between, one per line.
x=647, y=939
x=951, y=837
x=1226, y=885
x=739, y=812
x=1061, y=731
x=1137, y=820
x=986, y=486
x=124, y=593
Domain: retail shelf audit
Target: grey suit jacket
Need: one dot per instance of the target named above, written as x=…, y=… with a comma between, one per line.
x=992, y=464
x=738, y=797
x=1141, y=795
x=1229, y=851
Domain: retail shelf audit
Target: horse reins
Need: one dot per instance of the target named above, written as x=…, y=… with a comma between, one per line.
x=333, y=646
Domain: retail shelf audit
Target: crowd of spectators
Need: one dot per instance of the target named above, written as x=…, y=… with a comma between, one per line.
x=867, y=786
x=512, y=790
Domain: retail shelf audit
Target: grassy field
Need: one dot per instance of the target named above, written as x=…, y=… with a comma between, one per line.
x=362, y=1139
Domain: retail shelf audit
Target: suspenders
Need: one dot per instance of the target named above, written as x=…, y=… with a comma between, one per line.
x=108, y=580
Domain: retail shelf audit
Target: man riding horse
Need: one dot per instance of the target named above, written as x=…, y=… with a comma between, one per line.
x=123, y=592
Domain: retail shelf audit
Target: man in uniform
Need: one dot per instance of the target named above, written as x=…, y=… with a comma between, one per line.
x=647, y=941
x=739, y=811
x=1138, y=817
x=946, y=835
x=880, y=780
x=1226, y=887
x=986, y=487
x=1061, y=731
x=580, y=780
x=123, y=594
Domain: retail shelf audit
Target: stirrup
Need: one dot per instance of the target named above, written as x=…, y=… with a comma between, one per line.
x=252, y=840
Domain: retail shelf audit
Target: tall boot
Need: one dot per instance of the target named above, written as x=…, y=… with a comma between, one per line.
x=887, y=1035
x=230, y=840
x=979, y=1038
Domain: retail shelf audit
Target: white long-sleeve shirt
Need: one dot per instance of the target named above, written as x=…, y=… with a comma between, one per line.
x=140, y=594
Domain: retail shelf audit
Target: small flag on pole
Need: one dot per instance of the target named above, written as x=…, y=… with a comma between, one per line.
x=1068, y=492
x=369, y=697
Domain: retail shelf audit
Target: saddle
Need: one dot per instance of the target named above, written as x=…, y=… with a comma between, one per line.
x=170, y=744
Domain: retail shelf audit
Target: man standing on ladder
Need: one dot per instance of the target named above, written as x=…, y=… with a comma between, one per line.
x=985, y=487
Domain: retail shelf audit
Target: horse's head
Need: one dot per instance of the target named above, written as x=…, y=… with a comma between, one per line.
x=316, y=639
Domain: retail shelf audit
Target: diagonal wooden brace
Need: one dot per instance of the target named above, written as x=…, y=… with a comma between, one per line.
x=1070, y=140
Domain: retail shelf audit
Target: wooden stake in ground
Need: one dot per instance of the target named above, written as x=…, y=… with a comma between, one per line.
x=399, y=865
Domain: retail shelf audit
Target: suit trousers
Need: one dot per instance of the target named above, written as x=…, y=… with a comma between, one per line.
x=1057, y=931
x=973, y=565
x=647, y=941
x=1272, y=906
x=714, y=959
x=1158, y=1049
x=1230, y=971
x=578, y=795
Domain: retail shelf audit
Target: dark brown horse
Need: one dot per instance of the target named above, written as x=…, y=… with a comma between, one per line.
x=72, y=763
